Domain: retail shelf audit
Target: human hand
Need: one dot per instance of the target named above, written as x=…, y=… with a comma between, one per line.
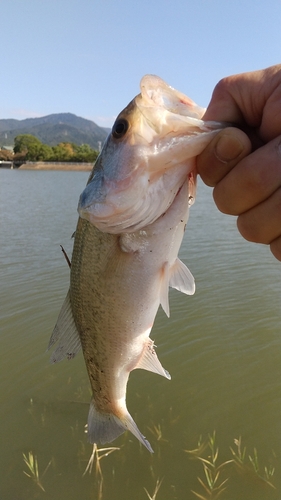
x=244, y=164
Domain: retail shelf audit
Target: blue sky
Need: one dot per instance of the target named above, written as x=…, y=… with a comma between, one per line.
x=88, y=56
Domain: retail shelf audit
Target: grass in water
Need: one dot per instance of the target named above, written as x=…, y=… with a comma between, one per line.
x=156, y=430
x=240, y=460
x=156, y=489
x=95, y=458
x=33, y=469
x=212, y=484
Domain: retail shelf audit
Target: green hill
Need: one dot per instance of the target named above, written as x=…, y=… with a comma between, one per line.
x=53, y=129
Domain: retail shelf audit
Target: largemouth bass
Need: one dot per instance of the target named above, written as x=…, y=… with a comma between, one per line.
x=133, y=214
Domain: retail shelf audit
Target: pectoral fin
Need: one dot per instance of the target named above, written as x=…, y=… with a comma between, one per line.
x=164, y=291
x=177, y=276
x=181, y=278
x=65, y=332
x=149, y=361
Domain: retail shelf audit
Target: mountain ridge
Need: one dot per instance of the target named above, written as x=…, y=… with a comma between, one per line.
x=53, y=129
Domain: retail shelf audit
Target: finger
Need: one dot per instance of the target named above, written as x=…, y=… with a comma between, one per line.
x=253, y=180
x=262, y=224
x=225, y=104
x=226, y=149
x=252, y=99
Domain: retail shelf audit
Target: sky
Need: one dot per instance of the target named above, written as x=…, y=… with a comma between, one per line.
x=87, y=56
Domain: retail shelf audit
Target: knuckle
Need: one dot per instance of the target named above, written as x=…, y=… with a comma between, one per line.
x=223, y=86
x=248, y=229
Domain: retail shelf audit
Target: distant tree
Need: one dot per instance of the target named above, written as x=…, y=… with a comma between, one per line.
x=85, y=153
x=6, y=155
x=19, y=157
x=63, y=152
x=30, y=148
x=28, y=144
x=44, y=153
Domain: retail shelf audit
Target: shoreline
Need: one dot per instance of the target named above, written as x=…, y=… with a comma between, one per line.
x=40, y=165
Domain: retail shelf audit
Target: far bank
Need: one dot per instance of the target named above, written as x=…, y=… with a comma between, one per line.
x=44, y=165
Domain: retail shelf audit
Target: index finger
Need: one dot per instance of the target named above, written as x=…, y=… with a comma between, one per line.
x=249, y=99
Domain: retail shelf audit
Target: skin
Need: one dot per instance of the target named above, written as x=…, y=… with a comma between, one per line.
x=244, y=164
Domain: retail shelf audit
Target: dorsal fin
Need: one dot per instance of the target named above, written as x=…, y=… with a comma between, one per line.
x=65, y=332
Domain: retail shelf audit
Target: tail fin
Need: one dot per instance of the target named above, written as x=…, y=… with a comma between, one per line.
x=105, y=427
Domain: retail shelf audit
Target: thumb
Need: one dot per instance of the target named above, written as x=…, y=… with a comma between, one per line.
x=226, y=149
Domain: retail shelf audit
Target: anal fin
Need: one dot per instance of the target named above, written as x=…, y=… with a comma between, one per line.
x=149, y=361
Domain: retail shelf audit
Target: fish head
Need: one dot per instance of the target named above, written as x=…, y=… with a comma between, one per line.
x=146, y=159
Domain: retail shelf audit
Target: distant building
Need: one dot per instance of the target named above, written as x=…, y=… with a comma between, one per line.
x=7, y=148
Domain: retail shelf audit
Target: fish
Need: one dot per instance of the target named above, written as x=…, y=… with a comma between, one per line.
x=132, y=218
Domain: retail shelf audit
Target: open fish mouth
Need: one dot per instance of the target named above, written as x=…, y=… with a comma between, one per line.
x=156, y=92
x=146, y=159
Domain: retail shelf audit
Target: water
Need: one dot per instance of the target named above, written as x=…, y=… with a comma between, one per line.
x=222, y=347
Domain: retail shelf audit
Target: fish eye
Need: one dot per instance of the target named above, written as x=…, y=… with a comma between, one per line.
x=120, y=128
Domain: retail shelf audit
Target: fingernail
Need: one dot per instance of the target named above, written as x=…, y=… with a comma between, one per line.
x=228, y=148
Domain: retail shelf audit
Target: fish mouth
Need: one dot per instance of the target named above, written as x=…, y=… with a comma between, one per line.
x=155, y=92
x=169, y=111
x=146, y=159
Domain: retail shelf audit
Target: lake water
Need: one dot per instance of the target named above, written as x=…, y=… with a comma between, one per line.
x=222, y=348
